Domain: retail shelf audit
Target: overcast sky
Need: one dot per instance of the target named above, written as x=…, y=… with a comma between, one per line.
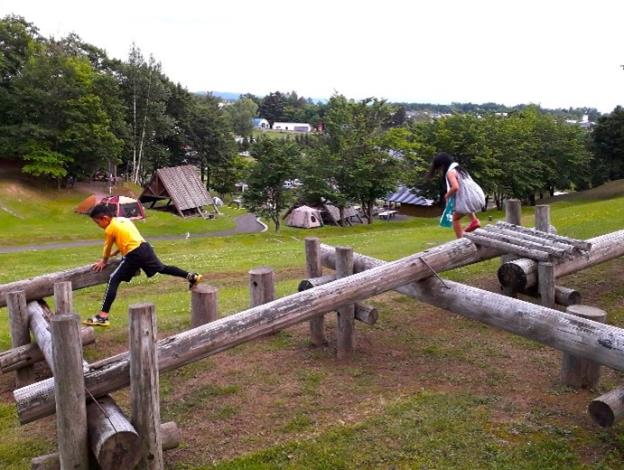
x=557, y=53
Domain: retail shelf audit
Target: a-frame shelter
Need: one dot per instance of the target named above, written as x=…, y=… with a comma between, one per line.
x=180, y=186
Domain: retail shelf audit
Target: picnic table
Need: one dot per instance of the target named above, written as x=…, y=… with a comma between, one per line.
x=389, y=214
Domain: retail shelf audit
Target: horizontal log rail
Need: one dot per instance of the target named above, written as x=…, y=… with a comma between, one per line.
x=43, y=286
x=16, y=358
x=37, y=400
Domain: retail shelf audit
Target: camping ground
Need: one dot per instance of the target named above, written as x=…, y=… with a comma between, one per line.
x=427, y=389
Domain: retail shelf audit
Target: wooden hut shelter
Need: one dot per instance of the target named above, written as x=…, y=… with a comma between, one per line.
x=410, y=202
x=180, y=187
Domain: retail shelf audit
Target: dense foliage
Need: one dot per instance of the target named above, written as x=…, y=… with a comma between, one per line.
x=67, y=110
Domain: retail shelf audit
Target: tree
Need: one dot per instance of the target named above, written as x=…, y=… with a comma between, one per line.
x=58, y=114
x=211, y=140
x=608, y=146
x=353, y=161
x=241, y=114
x=147, y=94
x=272, y=107
x=276, y=162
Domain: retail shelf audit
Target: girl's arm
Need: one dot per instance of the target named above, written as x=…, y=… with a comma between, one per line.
x=453, y=182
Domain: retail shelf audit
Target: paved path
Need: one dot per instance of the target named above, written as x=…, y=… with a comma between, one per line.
x=244, y=224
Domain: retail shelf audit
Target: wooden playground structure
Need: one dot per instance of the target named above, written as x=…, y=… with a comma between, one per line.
x=532, y=262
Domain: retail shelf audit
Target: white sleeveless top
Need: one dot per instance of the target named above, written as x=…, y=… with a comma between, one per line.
x=452, y=166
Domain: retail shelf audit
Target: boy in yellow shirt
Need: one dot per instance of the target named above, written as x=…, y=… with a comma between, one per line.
x=137, y=254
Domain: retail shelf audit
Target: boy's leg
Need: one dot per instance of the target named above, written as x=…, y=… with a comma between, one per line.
x=150, y=263
x=175, y=271
x=124, y=272
x=192, y=278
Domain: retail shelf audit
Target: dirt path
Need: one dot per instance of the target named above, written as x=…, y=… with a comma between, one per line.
x=244, y=224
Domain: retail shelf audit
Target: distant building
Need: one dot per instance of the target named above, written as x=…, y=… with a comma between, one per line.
x=585, y=123
x=261, y=123
x=292, y=126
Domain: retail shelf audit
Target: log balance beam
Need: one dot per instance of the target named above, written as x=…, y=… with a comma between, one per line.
x=43, y=286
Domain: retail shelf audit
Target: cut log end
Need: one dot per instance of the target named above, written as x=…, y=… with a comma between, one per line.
x=601, y=413
x=512, y=277
x=120, y=451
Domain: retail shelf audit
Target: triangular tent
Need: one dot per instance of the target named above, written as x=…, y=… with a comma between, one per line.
x=304, y=217
x=179, y=186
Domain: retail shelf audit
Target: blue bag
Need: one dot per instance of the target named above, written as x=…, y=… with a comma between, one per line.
x=447, y=216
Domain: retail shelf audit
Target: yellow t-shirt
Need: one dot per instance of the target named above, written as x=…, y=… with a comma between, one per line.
x=124, y=234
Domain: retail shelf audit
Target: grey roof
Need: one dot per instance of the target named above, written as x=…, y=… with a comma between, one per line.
x=181, y=184
x=405, y=195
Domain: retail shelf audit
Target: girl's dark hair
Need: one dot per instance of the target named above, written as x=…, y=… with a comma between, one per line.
x=101, y=210
x=442, y=161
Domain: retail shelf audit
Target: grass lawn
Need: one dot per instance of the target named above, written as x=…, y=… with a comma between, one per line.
x=31, y=215
x=427, y=389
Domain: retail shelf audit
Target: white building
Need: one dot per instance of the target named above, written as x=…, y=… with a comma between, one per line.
x=261, y=123
x=292, y=126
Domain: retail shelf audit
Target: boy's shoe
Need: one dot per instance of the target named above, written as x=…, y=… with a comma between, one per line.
x=194, y=279
x=97, y=320
x=472, y=226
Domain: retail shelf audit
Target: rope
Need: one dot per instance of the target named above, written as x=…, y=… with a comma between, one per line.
x=101, y=408
x=434, y=273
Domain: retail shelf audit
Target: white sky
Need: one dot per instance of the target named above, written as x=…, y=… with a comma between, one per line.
x=557, y=53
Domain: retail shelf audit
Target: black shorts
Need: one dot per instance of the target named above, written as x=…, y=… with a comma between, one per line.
x=142, y=257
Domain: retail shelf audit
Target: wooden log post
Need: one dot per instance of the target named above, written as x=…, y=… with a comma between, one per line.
x=261, y=286
x=314, y=269
x=513, y=215
x=546, y=285
x=521, y=274
x=69, y=391
x=608, y=409
x=203, y=305
x=111, y=374
x=144, y=386
x=345, y=328
x=63, y=297
x=542, y=218
x=578, y=372
x=20, y=333
x=40, y=287
x=29, y=354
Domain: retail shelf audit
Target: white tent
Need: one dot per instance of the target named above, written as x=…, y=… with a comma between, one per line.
x=304, y=217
